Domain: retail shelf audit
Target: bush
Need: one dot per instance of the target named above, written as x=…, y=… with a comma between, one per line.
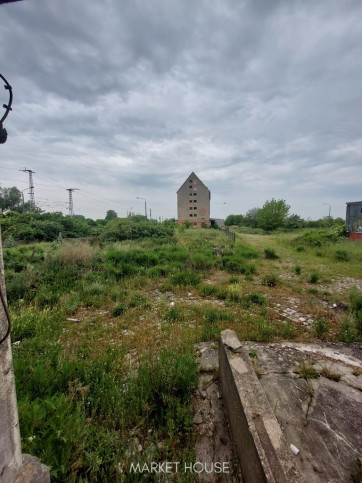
x=270, y=254
x=271, y=280
x=321, y=327
x=185, y=279
x=256, y=298
x=119, y=309
x=314, y=277
x=355, y=300
x=341, y=256
x=298, y=270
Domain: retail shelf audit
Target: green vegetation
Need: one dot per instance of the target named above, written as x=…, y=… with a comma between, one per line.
x=120, y=373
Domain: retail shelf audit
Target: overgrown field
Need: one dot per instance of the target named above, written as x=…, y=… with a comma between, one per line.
x=103, y=336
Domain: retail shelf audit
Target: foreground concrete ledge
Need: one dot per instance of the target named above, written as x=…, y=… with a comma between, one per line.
x=262, y=448
x=32, y=471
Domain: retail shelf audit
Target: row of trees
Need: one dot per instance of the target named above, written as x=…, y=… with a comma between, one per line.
x=275, y=214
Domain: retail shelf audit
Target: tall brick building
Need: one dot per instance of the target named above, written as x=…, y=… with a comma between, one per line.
x=193, y=202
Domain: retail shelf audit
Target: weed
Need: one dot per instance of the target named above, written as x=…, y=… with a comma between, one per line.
x=355, y=300
x=185, y=279
x=215, y=315
x=174, y=314
x=307, y=371
x=321, y=327
x=287, y=330
x=253, y=354
x=341, y=256
x=347, y=332
x=329, y=374
x=271, y=280
x=298, y=269
x=312, y=291
x=234, y=280
x=139, y=301
x=314, y=277
x=208, y=290
x=270, y=254
x=119, y=309
x=256, y=298
x=300, y=248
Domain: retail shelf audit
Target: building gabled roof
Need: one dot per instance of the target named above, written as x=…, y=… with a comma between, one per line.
x=192, y=175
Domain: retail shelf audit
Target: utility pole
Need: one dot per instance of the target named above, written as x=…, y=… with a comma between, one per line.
x=139, y=198
x=31, y=184
x=71, y=212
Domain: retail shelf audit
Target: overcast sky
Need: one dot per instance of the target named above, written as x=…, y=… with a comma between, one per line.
x=124, y=98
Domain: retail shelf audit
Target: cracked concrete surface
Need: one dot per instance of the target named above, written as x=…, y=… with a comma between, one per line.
x=320, y=416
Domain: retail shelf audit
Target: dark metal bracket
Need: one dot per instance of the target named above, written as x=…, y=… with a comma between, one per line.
x=7, y=107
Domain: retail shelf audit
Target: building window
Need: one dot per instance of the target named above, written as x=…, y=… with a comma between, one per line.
x=195, y=224
x=195, y=201
x=195, y=214
x=194, y=193
x=190, y=214
x=195, y=207
x=190, y=207
x=190, y=181
x=190, y=201
x=190, y=194
x=190, y=186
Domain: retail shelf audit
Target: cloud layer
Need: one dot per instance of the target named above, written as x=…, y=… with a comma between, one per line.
x=125, y=98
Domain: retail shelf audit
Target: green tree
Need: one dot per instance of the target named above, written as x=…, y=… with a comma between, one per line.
x=9, y=198
x=111, y=215
x=251, y=218
x=273, y=214
x=234, y=220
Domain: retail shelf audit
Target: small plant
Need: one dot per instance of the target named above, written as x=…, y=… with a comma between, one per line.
x=253, y=354
x=173, y=314
x=234, y=280
x=300, y=248
x=341, y=256
x=298, y=270
x=271, y=280
x=270, y=254
x=265, y=331
x=355, y=300
x=329, y=374
x=319, y=253
x=347, y=332
x=307, y=371
x=119, y=309
x=256, y=298
x=321, y=327
x=185, y=279
x=314, y=277
x=208, y=290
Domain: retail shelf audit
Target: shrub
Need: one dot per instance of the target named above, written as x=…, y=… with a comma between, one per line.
x=355, y=300
x=298, y=270
x=214, y=315
x=173, y=315
x=314, y=277
x=208, y=290
x=185, y=279
x=321, y=327
x=234, y=280
x=119, y=309
x=256, y=298
x=270, y=254
x=271, y=280
x=341, y=256
x=300, y=248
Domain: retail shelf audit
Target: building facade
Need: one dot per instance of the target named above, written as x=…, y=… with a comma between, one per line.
x=354, y=220
x=193, y=202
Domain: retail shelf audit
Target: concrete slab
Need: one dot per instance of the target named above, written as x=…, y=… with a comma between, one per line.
x=321, y=415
